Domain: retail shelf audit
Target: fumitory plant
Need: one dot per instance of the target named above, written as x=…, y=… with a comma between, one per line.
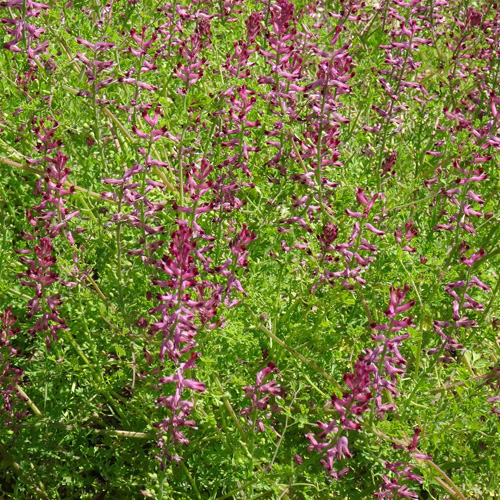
x=249, y=249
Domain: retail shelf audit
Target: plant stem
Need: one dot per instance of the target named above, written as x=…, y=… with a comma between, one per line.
x=10, y=460
x=29, y=402
x=191, y=480
x=237, y=490
x=308, y=362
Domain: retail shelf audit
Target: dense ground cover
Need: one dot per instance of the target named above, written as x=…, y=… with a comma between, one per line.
x=249, y=249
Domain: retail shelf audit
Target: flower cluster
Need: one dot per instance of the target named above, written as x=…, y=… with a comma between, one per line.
x=192, y=70
x=49, y=219
x=376, y=373
x=495, y=384
x=25, y=35
x=10, y=375
x=180, y=409
x=395, y=488
x=260, y=397
x=188, y=300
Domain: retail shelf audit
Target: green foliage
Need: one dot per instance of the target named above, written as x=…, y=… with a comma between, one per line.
x=92, y=398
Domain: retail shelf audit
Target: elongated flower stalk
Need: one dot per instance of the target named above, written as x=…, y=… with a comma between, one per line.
x=49, y=220
x=376, y=371
x=25, y=36
x=260, y=397
x=10, y=375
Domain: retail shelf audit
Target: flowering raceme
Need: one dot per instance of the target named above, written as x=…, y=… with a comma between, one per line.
x=23, y=33
x=10, y=375
x=260, y=397
x=49, y=220
x=376, y=371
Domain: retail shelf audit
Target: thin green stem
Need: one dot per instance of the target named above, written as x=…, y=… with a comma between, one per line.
x=9, y=459
x=191, y=480
x=29, y=402
x=297, y=354
x=237, y=490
